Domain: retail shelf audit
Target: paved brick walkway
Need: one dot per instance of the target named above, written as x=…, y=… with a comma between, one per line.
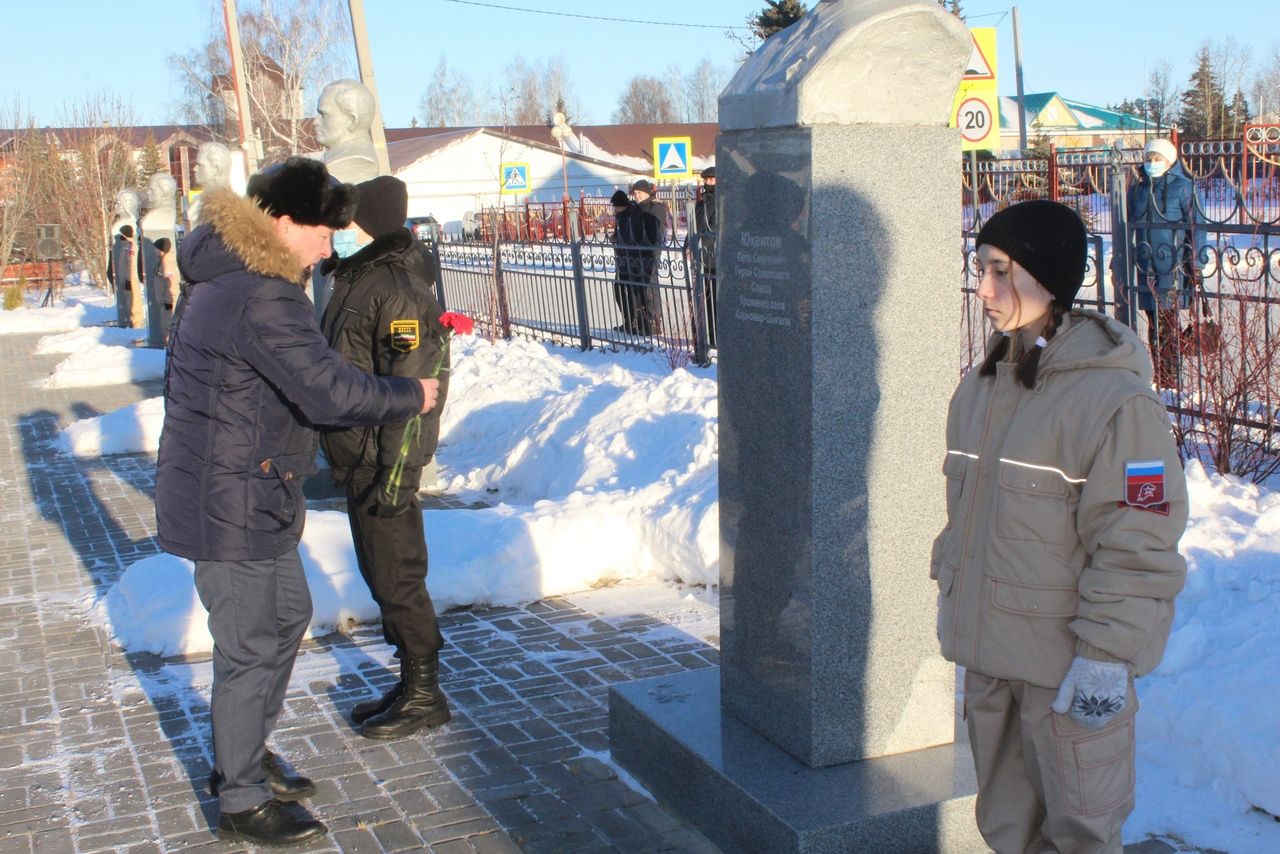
x=101, y=751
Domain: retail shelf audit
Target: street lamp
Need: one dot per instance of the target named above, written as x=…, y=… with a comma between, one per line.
x=560, y=131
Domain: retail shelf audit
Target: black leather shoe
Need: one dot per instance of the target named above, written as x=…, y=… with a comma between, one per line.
x=270, y=823
x=284, y=786
x=361, y=712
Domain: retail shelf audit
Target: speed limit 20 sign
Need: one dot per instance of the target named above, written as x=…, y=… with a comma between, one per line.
x=977, y=118
x=976, y=109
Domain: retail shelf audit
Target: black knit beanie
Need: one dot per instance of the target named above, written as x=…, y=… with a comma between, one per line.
x=383, y=205
x=1047, y=239
x=303, y=190
x=619, y=199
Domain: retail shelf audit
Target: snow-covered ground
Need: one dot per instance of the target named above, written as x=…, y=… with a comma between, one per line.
x=600, y=473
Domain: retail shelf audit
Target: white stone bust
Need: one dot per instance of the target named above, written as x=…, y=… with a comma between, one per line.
x=213, y=165
x=213, y=169
x=162, y=213
x=125, y=210
x=343, y=122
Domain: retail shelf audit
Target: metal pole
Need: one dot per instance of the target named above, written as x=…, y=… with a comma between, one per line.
x=365, y=60
x=1017, y=64
x=239, y=83
x=973, y=190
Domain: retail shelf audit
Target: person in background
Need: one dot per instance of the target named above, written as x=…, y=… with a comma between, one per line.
x=249, y=374
x=166, y=277
x=628, y=293
x=1059, y=564
x=1168, y=261
x=124, y=267
x=383, y=318
x=649, y=230
x=704, y=219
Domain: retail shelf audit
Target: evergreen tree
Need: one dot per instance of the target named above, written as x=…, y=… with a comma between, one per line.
x=1202, y=101
x=1238, y=114
x=776, y=15
x=151, y=160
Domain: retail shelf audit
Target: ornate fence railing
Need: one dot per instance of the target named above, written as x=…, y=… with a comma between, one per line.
x=1218, y=360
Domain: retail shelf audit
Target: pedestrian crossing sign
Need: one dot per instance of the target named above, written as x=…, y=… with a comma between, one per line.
x=672, y=157
x=515, y=178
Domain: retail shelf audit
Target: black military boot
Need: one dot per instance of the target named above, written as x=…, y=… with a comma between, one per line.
x=361, y=712
x=270, y=823
x=421, y=703
x=284, y=786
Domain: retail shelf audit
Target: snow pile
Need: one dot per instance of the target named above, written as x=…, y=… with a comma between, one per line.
x=123, y=431
x=599, y=468
x=103, y=364
x=87, y=336
x=79, y=306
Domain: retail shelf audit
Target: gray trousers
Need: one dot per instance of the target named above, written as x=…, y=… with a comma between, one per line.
x=258, y=613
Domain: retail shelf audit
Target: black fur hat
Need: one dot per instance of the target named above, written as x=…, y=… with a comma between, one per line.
x=619, y=199
x=303, y=190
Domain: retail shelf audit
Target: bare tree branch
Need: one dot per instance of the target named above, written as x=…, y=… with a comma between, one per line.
x=645, y=102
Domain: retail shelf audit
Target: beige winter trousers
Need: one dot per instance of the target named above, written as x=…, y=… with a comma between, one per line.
x=1045, y=783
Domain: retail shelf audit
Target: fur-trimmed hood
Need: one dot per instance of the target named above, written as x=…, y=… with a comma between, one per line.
x=235, y=234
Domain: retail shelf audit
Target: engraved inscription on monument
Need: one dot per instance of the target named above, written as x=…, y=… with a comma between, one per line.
x=765, y=274
x=766, y=240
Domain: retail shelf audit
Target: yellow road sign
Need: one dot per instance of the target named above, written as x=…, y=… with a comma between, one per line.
x=672, y=157
x=976, y=109
x=515, y=178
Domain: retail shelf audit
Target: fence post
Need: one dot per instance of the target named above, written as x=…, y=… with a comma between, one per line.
x=432, y=247
x=1053, y=172
x=1121, y=267
x=580, y=288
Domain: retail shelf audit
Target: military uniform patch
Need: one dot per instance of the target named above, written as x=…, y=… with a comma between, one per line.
x=404, y=335
x=1144, y=486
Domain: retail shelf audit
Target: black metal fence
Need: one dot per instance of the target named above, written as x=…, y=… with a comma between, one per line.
x=575, y=292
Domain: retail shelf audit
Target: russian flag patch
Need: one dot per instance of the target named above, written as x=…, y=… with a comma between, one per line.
x=1144, y=485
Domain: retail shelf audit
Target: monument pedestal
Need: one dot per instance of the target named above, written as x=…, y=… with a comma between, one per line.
x=746, y=794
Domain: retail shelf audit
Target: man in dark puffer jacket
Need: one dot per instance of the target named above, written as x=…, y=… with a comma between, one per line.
x=249, y=375
x=383, y=317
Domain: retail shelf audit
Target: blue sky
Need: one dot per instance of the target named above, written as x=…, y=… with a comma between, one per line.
x=1097, y=51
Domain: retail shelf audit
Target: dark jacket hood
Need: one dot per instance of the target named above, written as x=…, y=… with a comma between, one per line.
x=235, y=234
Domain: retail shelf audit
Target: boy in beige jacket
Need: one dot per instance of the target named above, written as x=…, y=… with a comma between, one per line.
x=1058, y=566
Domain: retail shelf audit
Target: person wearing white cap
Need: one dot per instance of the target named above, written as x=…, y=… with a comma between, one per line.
x=1167, y=260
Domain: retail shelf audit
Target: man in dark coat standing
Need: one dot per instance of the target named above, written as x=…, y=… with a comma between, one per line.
x=122, y=264
x=649, y=229
x=383, y=317
x=249, y=375
x=704, y=222
x=627, y=265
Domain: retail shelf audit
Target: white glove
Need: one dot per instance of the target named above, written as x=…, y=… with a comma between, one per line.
x=1093, y=691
